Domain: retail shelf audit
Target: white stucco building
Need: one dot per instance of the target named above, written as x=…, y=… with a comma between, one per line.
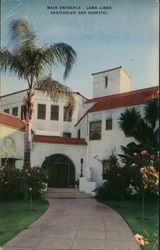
x=66, y=145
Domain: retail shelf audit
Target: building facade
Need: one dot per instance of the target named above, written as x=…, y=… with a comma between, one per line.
x=69, y=146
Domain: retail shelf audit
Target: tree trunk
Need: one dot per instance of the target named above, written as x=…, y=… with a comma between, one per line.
x=27, y=143
x=28, y=102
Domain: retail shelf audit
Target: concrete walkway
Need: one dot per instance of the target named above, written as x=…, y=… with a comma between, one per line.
x=76, y=224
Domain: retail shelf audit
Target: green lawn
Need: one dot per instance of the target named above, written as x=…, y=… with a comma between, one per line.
x=131, y=211
x=16, y=216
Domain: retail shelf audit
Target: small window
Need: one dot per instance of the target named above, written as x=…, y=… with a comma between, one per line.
x=109, y=124
x=79, y=133
x=95, y=130
x=66, y=134
x=15, y=111
x=41, y=111
x=23, y=112
x=54, y=112
x=67, y=115
x=6, y=111
x=105, y=168
x=106, y=81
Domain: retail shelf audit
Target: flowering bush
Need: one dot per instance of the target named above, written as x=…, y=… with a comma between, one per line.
x=141, y=241
x=10, y=183
x=117, y=182
x=138, y=171
x=35, y=180
x=20, y=183
x=150, y=178
x=140, y=164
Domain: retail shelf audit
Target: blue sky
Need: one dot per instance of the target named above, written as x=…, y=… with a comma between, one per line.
x=127, y=36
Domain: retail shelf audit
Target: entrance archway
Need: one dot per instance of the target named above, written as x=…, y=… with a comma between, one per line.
x=61, y=171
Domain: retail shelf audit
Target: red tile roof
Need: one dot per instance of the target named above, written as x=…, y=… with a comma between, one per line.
x=12, y=121
x=126, y=99
x=148, y=91
x=58, y=139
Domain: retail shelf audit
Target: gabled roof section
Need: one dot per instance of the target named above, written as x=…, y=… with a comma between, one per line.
x=12, y=121
x=81, y=118
x=58, y=139
x=104, y=98
x=131, y=98
x=81, y=95
x=21, y=91
x=126, y=99
x=13, y=93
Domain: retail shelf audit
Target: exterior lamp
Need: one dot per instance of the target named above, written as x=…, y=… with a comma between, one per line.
x=81, y=167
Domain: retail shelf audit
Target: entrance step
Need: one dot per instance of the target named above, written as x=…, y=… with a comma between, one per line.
x=64, y=193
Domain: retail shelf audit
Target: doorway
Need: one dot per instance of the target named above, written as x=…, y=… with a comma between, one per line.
x=61, y=171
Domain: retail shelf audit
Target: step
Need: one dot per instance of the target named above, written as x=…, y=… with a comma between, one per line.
x=46, y=196
x=64, y=193
x=61, y=190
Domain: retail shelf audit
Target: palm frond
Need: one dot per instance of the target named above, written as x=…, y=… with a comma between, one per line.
x=28, y=60
x=11, y=62
x=34, y=60
x=62, y=53
x=142, y=132
x=21, y=30
x=128, y=121
x=56, y=90
x=151, y=113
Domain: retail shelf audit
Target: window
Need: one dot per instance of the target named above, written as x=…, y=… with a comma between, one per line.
x=15, y=111
x=106, y=81
x=6, y=111
x=105, y=168
x=67, y=115
x=66, y=134
x=23, y=112
x=95, y=130
x=54, y=112
x=79, y=133
x=109, y=124
x=41, y=111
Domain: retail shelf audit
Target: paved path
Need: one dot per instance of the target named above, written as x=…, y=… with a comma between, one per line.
x=76, y=224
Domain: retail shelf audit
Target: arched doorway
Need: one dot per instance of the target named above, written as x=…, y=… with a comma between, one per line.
x=61, y=171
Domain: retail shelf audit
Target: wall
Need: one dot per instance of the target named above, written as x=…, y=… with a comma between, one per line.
x=125, y=82
x=110, y=140
x=74, y=152
x=47, y=126
x=99, y=83
x=118, y=82
x=17, y=136
x=13, y=100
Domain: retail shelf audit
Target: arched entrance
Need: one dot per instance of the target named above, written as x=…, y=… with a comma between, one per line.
x=61, y=171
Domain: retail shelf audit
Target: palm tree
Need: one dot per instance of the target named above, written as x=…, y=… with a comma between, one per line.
x=28, y=61
x=143, y=129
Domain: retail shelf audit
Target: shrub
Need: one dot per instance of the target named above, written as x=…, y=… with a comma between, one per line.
x=135, y=158
x=10, y=183
x=117, y=182
x=34, y=179
x=21, y=183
